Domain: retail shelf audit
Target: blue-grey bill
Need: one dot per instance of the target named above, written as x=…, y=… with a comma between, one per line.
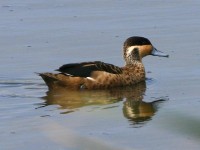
x=156, y=52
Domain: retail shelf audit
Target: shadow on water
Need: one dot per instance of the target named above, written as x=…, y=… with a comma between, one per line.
x=135, y=109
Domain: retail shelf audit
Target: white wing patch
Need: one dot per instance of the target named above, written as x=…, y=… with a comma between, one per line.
x=68, y=74
x=92, y=79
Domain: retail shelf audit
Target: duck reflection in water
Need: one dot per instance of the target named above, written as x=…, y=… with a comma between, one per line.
x=138, y=112
x=134, y=108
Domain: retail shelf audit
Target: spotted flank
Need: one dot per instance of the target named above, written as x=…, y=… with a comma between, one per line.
x=100, y=75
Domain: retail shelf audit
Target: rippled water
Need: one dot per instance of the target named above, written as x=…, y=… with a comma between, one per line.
x=40, y=36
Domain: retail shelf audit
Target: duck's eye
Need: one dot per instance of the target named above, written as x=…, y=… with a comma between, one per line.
x=136, y=49
x=135, y=53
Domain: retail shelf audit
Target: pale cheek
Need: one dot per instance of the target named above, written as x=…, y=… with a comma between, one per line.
x=130, y=49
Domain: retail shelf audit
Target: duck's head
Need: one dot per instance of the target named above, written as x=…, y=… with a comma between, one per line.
x=135, y=48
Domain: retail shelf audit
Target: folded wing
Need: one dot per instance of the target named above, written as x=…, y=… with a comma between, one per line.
x=85, y=69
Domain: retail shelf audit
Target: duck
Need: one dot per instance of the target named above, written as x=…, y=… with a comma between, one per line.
x=100, y=75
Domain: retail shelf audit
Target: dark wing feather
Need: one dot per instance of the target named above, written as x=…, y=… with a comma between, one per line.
x=85, y=69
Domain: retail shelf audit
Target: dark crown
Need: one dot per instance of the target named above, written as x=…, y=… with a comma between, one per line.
x=136, y=40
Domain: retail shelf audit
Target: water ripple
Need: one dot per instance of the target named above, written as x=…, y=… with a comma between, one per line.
x=22, y=88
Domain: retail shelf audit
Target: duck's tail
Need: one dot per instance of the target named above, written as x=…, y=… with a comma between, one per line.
x=56, y=81
x=51, y=80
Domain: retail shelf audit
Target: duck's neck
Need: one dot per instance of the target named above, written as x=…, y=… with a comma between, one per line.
x=131, y=56
x=132, y=59
x=133, y=62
